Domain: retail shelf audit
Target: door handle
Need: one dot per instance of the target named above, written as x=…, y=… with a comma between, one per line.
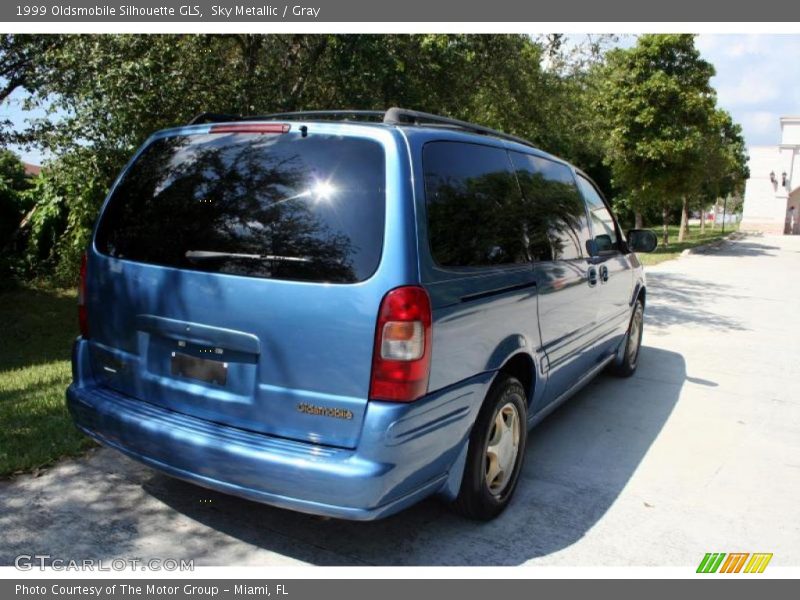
x=592, y=276
x=603, y=273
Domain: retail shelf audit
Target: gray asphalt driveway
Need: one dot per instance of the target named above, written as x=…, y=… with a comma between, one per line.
x=698, y=452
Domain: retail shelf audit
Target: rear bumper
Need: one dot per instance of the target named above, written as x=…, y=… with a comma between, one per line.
x=406, y=452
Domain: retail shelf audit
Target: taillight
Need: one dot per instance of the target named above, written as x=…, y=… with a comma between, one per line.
x=402, y=356
x=83, y=314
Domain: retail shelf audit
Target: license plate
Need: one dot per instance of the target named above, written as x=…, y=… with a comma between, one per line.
x=201, y=369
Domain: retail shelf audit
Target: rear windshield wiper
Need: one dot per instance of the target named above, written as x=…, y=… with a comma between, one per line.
x=213, y=255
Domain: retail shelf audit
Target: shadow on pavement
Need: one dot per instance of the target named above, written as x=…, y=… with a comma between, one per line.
x=682, y=300
x=578, y=461
x=741, y=248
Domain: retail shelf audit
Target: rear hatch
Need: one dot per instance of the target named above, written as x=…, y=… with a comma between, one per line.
x=231, y=278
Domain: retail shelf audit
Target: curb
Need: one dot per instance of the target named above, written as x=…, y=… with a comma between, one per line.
x=705, y=248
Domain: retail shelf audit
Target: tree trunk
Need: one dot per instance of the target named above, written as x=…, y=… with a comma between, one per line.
x=665, y=219
x=683, y=231
x=638, y=221
x=702, y=221
x=714, y=221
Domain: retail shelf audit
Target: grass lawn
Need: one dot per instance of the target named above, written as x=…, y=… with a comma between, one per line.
x=674, y=249
x=37, y=327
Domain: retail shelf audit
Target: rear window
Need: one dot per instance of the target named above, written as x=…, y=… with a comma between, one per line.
x=281, y=207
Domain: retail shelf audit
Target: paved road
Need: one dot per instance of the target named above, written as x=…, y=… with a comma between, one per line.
x=699, y=451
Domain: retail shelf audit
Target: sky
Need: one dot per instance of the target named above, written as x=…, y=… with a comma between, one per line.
x=11, y=110
x=757, y=81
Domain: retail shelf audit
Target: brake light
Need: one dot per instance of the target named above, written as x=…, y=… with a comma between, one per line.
x=83, y=314
x=402, y=356
x=251, y=128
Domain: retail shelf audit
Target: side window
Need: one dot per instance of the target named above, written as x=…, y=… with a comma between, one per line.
x=473, y=205
x=554, y=217
x=603, y=227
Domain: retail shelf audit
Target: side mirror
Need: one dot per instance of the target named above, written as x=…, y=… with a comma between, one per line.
x=642, y=240
x=604, y=243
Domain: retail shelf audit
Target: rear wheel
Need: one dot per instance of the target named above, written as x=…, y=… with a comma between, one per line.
x=496, y=451
x=625, y=365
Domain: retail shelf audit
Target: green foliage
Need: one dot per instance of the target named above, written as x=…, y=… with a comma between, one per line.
x=656, y=99
x=13, y=184
x=14, y=202
x=12, y=171
x=725, y=163
x=639, y=117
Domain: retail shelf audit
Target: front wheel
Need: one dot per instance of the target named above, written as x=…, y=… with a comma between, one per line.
x=625, y=365
x=496, y=451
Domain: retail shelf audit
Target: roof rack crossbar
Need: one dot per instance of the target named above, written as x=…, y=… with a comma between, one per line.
x=404, y=116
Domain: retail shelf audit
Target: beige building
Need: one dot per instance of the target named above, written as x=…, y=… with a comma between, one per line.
x=772, y=194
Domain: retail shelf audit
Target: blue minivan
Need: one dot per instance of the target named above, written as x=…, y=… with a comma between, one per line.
x=344, y=312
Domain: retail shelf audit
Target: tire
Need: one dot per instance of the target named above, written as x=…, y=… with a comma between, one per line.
x=625, y=365
x=482, y=497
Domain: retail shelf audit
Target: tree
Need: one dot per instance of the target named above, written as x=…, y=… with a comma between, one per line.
x=726, y=164
x=656, y=100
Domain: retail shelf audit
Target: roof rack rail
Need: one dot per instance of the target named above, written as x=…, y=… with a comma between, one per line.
x=392, y=116
x=405, y=116
x=323, y=114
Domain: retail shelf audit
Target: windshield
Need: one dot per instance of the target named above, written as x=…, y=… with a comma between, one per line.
x=285, y=207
